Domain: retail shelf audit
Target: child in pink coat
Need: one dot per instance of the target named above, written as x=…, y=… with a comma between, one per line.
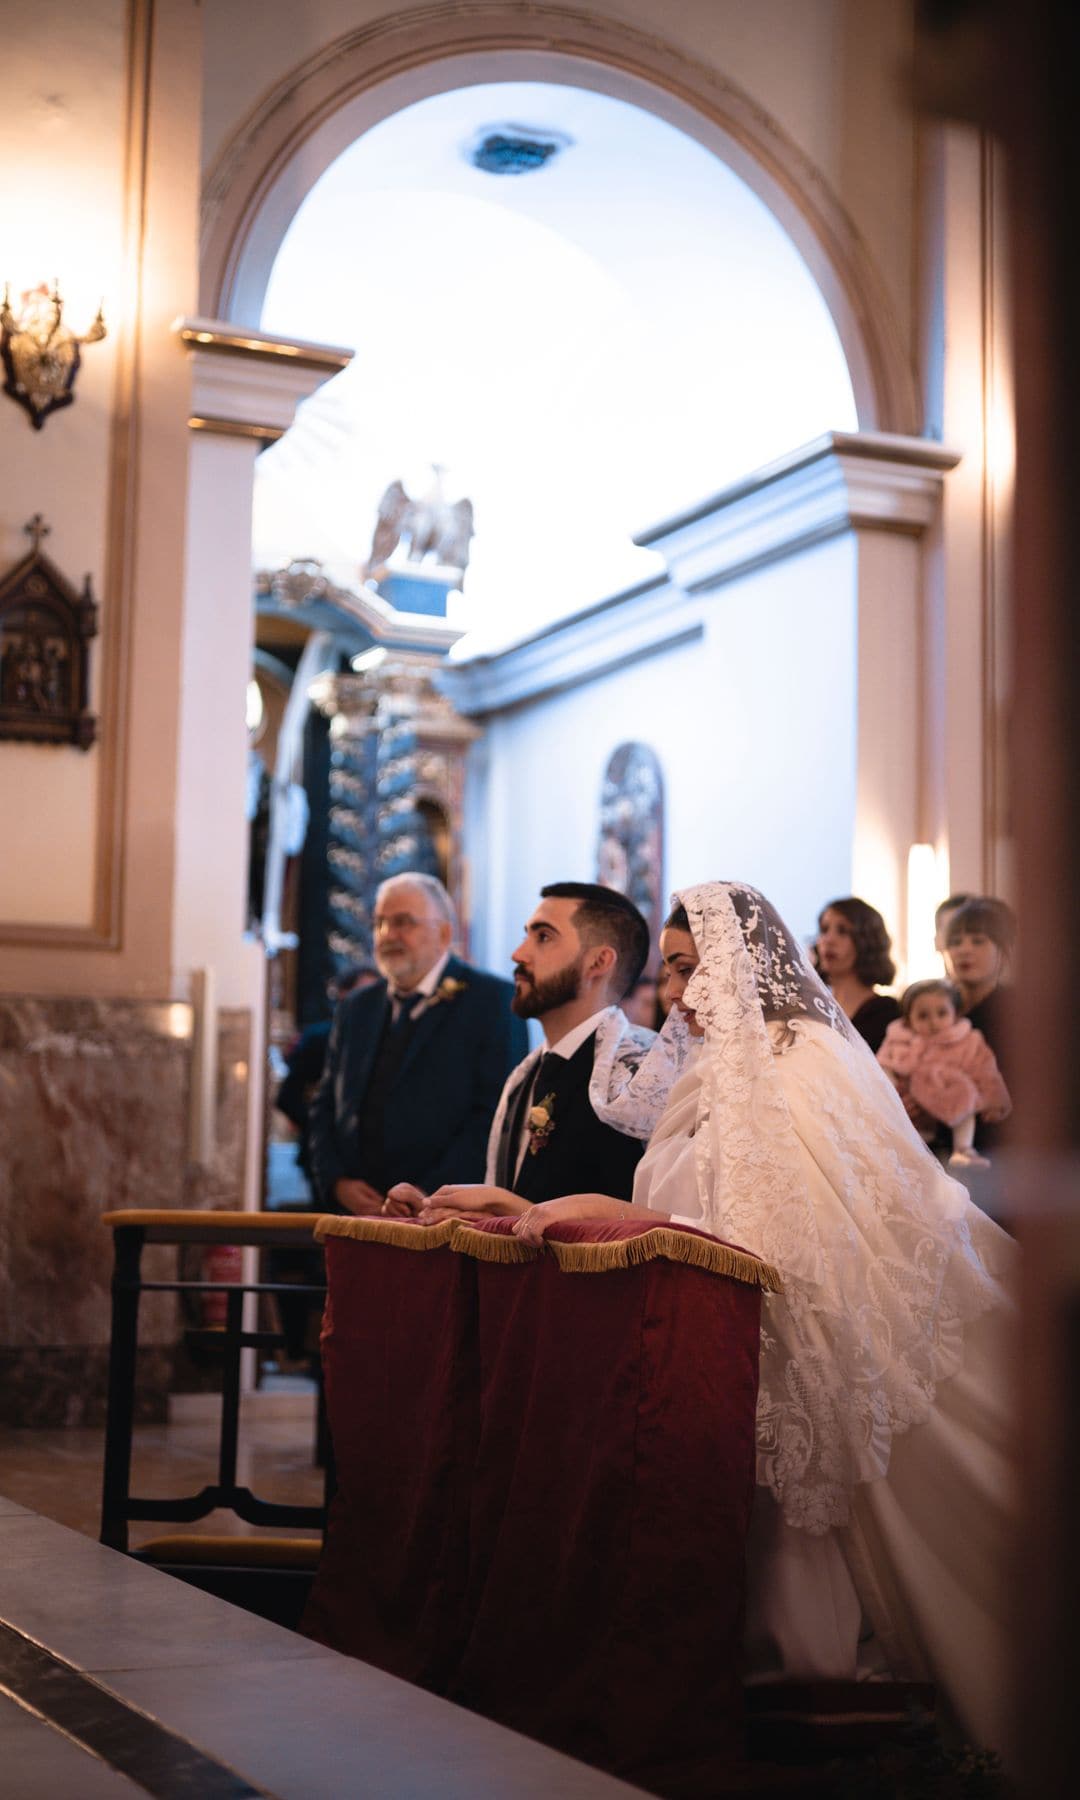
x=943, y=1066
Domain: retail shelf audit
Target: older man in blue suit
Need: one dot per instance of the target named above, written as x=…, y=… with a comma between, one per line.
x=415, y=1063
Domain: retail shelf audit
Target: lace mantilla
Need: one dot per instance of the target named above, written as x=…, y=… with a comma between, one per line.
x=634, y=1071
x=804, y=1155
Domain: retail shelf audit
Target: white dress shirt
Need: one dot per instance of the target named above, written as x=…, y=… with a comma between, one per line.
x=426, y=985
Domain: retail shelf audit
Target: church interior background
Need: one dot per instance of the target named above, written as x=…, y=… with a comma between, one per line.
x=707, y=324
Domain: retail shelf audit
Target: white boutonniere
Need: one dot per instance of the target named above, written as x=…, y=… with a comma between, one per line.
x=447, y=990
x=540, y=1123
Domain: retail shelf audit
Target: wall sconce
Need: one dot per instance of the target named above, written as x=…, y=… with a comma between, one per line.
x=40, y=353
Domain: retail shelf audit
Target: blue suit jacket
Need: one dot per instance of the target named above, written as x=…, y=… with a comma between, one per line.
x=443, y=1096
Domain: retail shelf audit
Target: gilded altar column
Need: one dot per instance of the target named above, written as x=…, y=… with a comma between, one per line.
x=397, y=783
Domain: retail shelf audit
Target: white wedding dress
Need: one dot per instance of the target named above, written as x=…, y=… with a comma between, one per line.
x=883, y=1425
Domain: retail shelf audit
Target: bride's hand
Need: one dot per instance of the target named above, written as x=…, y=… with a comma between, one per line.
x=571, y=1209
x=458, y=1201
x=534, y=1221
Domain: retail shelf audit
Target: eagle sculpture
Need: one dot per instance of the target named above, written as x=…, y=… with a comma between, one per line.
x=432, y=528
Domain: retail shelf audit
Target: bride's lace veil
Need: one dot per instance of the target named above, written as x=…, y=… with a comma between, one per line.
x=802, y=1153
x=788, y=986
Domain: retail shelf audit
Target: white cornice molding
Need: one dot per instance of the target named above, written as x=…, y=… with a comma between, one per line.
x=250, y=383
x=604, y=638
x=842, y=481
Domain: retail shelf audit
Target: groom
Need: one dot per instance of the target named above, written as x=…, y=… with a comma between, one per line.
x=583, y=950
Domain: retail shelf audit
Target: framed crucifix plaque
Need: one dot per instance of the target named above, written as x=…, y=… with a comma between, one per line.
x=45, y=631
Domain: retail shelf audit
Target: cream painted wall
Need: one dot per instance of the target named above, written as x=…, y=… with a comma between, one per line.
x=116, y=191
x=754, y=730
x=62, y=127
x=830, y=72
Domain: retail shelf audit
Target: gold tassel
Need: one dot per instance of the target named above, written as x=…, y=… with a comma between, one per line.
x=673, y=1246
x=485, y=1246
x=396, y=1232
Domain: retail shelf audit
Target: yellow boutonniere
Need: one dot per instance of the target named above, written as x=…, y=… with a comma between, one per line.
x=448, y=989
x=540, y=1123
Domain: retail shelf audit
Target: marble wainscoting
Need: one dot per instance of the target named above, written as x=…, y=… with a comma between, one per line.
x=94, y=1115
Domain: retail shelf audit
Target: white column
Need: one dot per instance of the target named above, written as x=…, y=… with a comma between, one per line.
x=968, y=369
x=888, y=725
x=245, y=391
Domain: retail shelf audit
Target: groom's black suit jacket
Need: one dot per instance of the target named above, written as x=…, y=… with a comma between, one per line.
x=414, y=1104
x=582, y=1155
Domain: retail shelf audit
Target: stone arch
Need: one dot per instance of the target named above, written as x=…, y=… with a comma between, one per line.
x=299, y=128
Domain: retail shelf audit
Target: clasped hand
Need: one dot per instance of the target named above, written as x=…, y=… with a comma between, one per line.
x=452, y=1202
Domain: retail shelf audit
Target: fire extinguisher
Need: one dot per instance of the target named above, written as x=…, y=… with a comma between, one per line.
x=221, y=1262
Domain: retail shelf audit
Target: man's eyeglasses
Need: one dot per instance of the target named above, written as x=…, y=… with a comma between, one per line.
x=400, y=922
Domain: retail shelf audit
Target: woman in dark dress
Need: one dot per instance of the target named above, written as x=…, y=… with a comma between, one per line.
x=852, y=957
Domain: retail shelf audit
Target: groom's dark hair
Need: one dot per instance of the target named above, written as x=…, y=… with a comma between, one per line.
x=604, y=916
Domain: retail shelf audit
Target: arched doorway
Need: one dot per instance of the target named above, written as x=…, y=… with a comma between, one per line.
x=324, y=105
x=573, y=307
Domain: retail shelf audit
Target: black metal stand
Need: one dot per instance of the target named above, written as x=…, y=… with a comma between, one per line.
x=118, y=1506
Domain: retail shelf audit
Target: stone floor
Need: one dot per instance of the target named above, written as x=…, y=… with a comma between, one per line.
x=116, y=1680
x=58, y=1473
x=320, y=1728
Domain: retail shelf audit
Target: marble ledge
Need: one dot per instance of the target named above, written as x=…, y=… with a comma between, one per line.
x=95, y=1115
x=35, y=1025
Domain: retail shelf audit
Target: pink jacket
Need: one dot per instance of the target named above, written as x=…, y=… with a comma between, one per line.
x=950, y=1075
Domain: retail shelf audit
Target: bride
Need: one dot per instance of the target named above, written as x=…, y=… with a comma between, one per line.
x=883, y=1424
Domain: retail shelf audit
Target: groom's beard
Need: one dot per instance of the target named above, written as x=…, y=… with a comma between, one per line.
x=532, y=998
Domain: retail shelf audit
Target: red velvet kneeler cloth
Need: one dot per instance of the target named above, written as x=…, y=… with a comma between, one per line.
x=399, y=1364
x=600, y=1425
x=614, y=1478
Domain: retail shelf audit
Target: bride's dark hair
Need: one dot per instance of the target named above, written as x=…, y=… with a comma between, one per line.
x=676, y=919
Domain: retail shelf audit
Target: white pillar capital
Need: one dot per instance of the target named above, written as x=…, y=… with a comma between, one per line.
x=250, y=383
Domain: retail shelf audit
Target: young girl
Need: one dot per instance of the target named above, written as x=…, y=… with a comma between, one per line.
x=940, y=1062
x=979, y=941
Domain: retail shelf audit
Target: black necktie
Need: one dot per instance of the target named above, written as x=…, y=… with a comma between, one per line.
x=406, y=1011
x=526, y=1095
x=544, y=1082
x=547, y=1070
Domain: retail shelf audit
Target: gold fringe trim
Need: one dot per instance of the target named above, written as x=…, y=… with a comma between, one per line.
x=486, y=1246
x=397, y=1232
x=673, y=1246
x=573, y=1259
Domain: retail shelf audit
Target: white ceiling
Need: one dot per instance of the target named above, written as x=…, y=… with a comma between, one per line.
x=586, y=348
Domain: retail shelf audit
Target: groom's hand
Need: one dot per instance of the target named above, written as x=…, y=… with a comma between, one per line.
x=404, y=1201
x=358, y=1197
